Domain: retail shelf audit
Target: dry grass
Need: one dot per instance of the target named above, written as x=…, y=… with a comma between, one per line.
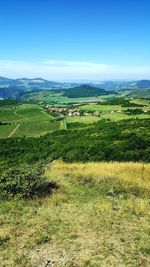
x=99, y=216
x=126, y=171
x=122, y=176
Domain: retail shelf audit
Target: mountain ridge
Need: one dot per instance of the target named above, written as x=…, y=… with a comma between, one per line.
x=13, y=88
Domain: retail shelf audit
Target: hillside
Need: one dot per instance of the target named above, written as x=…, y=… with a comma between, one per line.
x=12, y=92
x=98, y=216
x=143, y=84
x=84, y=91
x=136, y=93
x=18, y=120
x=125, y=140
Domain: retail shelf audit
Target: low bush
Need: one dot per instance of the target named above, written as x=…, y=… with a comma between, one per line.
x=24, y=181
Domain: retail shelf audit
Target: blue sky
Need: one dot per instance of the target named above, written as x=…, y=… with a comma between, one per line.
x=75, y=40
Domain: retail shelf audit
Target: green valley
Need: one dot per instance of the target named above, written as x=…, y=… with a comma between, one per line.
x=74, y=177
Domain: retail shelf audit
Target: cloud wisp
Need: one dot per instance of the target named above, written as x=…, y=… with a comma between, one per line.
x=71, y=70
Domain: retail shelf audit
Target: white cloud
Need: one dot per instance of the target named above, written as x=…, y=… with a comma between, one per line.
x=71, y=70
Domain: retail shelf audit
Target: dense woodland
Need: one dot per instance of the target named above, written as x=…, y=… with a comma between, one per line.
x=84, y=91
x=121, y=141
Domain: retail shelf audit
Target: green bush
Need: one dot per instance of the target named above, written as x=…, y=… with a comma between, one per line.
x=24, y=181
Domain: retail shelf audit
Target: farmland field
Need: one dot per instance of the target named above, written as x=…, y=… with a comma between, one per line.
x=83, y=119
x=94, y=107
x=121, y=116
x=98, y=107
x=6, y=130
x=31, y=120
x=116, y=112
x=36, y=129
x=56, y=97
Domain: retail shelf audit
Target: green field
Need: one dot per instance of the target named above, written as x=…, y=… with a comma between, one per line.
x=57, y=97
x=83, y=119
x=27, y=119
x=94, y=107
x=145, y=102
x=6, y=130
x=9, y=116
x=111, y=116
x=32, y=120
x=121, y=116
x=99, y=107
x=116, y=112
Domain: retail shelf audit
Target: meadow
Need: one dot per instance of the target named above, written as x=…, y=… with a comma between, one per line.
x=98, y=216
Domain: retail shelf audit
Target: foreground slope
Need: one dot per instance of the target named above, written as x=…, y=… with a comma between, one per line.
x=99, y=216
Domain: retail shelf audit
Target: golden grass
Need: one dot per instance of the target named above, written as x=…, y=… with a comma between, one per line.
x=128, y=174
x=99, y=216
x=124, y=170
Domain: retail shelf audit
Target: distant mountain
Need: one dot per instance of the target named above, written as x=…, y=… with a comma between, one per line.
x=143, y=84
x=115, y=85
x=120, y=85
x=13, y=88
x=36, y=83
x=84, y=90
x=3, y=79
x=26, y=85
x=12, y=92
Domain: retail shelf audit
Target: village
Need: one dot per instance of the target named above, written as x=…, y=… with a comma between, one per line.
x=62, y=112
x=69, y=112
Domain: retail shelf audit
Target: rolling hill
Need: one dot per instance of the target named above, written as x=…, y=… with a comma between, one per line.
x=84, y=91
x=14, y=88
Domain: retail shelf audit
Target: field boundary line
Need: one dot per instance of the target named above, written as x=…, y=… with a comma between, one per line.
x=47, y=115
x=14, y=131
x=20, y=115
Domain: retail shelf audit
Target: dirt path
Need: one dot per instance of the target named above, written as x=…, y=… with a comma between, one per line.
x=65, y=125
x=20, y=115
x=43, y=112
x=14, y=130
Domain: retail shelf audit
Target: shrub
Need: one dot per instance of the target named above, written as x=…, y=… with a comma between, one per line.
x=25, y=181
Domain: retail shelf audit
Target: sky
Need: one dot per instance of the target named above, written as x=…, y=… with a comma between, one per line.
x=75, y=40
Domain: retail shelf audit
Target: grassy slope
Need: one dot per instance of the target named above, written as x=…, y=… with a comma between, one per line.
x=99, y=216
x=6, y=130
x=33, y=121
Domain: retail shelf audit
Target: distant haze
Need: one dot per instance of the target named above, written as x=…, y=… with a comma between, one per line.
x=72, y=70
